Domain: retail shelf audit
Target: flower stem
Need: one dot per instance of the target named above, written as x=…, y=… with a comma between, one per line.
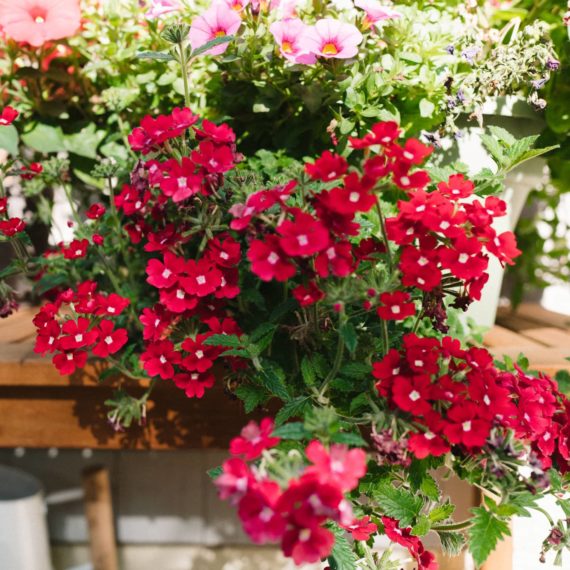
x=384, y=235
x=453, y=526
x=184, y=66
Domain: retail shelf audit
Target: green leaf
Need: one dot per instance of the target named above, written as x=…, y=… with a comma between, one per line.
x=156, y=55
x=342, y=556
x=531, y=154
x=356, y=370
x=502, y=135
x=251, y=396
x=293, y=409
x=399, y=504
x=45, y=138
x=273, y=378
x=422, y=527
x=430, y=488
x=485, y=534
x=85, y=142
x=9, y=139
x=451, y=542
x=349, y=336
x=211, y=44
x=215, y=472
x=441, y=512
x=261, y=331
x=230, y=340
x=308, y=371
x=292, y=430
x=348, y=438
x=494, y=147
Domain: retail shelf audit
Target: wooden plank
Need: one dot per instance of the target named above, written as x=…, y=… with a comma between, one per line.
x=19, y=326
x=538, y=314
x=550, y=336
x=500, y=336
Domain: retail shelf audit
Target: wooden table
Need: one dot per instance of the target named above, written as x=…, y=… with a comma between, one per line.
x=40, y=409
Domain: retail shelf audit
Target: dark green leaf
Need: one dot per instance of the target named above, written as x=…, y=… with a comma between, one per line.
x=230, y=340
x=348, y=334
x=485, y=534
x=274, y=380
x=215, y=472
x=211, y=44
x=292, y=430
x=399, y=503
x=348, y=438
x=342, y=556
x=251, y=396
x=292, y=409
x=308, y=371
x=355, y=370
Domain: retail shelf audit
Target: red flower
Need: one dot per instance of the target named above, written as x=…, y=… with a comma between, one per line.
x=202, y=278
x=413, y=152
x=412, y=394
x=8, y=116
x=69, y=362
x=337, y=258
x=164, y=274
x=235, y=480
x=303, y=236
x=224, y=251
x=382, y=133
x=308, y=295
x=339, y=224
x=268, y=260
x=201, y=357
x=159, y=359
x=354, y=196
x=504, y=247
x=465, y=259
x=180, y=181
x=258, y=514
x=465, y=426
x=456, y=187
x=427, y=444
x=361, y=529
x=307, y=545
x=396, y=306
x=76, y=249
x=46, y=340
x=409, y=181
x=254, y=439
x=29, y=172
x=215, y=159
x=155, y=321
x=110, y=340
x=219, y=134
x=95, y=211
x=177, y=300
x=403, y=537
x=77, y=334
x=12, y=226
x=112, y=304
x=419, y=268
x=338, y=466
x=194, y=384
x=327, y=167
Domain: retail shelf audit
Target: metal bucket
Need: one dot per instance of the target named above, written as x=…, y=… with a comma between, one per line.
x=24, y=543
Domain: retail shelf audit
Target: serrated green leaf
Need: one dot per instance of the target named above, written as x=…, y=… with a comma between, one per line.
x=441, y=512
x=292, y=409
x=494, y=148
x=292, y=430
x=530, y=155
x=274, y=380
x=430, y=488
x=342, y=556
x=422, y=527
x=355, y=370
x=349, y=336
x=215, y=472
x=452, y=543
x=230, y=340
x=348, y=438
x=308, y=371
x=251, y=396
x=241, y=352
x=502, y=135
x=399, y=504
x=360, y=401
x=485, y=533
x=156, y=55
x=262, y=331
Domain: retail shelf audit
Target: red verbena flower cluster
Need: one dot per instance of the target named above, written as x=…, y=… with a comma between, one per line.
x=293, y=511
x=456, y=396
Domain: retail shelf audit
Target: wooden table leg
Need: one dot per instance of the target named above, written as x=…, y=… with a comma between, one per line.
x=99, y=513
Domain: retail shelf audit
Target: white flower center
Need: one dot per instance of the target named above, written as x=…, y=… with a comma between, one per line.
x=414, y=395
x=422, y=261
x=69, y=356
x=421, y=281
x=199, y=354
x=418, y=363
x=182, y=183
x=405, y=181
x=166, y=273
x=180, y=294
x=354, y=197
x=466, y=426
x=396, y=309
x=108, y=340
x=224, y=255
x=444, y=225
x=200, y=280
x=272, y=258
x=162, y=360
x=463, y=258
x=487, y=400
x=408, y=155
x=303, y=240
x=78, y=338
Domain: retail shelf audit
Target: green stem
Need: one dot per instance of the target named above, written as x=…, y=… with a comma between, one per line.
x=384, y=235
x=184, y=66
x=453, y=526
x=74, y=211
x=385, y=338
x=337, y=362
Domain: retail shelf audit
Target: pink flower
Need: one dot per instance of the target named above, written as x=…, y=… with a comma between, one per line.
x=332, y=39
x=289, y=37
x=376, y=12
x=361, y=529
x=307, y=545
x=161, y=7
x=254, y=439
x=37, y=21
x=8, y=116
x=217, y=21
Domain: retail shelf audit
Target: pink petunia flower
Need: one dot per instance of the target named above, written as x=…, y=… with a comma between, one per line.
x=37, y=21
x=289, y=37
x=161, y=7
x=217, y=21
x=376, y=12
x=331, y=38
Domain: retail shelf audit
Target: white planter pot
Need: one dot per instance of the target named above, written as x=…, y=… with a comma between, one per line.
x=24, y=541
x=515, y=116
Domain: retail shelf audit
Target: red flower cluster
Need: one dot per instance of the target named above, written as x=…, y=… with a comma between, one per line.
x=294, y=512
x=457, y=396
x=71, y=338
x=404, y=537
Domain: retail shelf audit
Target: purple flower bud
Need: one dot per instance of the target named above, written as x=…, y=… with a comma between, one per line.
x=552, y=64
x=470, y=53
x=539, y=83
x=450, y=49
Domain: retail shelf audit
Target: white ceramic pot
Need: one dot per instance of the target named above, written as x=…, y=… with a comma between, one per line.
x=517, y=117
x=24, y=541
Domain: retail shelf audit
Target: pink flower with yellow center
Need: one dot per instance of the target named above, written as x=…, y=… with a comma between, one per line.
x=331, y=38
x=236, y=5
x=159, y=8
x=38, y=21
x=216, y=22
x=376, y=12
x=289, y=37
